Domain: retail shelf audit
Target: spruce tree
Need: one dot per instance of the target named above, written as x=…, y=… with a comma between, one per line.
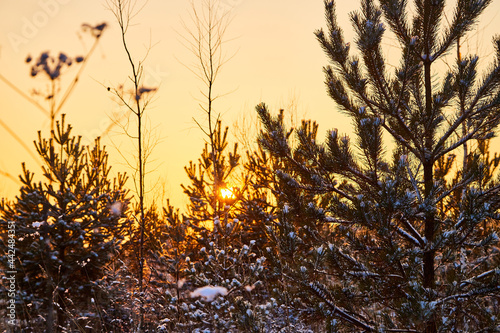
x=404, y=240
x=68, y=228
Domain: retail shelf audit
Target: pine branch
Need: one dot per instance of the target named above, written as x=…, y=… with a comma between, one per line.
x=324, y=295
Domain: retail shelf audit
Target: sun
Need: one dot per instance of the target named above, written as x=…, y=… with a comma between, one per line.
x=227, y=193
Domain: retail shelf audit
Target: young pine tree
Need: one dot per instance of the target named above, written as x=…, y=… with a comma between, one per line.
x=68, y=228
x=408, y=242
x=222, y=239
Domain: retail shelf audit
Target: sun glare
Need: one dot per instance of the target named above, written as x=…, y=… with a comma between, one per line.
x=227, y=193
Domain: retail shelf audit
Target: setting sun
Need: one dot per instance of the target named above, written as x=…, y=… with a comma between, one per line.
x=227, y=193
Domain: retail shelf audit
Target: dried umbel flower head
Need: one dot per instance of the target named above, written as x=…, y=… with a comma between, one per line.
x=96, y=31
x=143, y=90
x=52, y=66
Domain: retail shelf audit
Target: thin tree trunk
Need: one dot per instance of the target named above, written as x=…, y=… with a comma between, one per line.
x=50, y=310
x=429, y=276
x=141, y=203
x=139, y=111
x=141, y=199
x=49, y=289
x=428, y=163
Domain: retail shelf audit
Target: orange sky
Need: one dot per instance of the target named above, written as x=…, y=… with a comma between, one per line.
x=277, y=60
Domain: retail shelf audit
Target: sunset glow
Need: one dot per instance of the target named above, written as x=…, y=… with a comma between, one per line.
x=227, y=194
x=276, y=59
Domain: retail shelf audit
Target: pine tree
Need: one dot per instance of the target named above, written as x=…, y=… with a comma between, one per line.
x=406, y=243
x=208, y=177
x=69, y=227
x=214, y=242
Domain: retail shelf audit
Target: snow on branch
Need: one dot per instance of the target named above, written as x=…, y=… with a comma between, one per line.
x=409, y=237
x=495, y=271
x=322, y=293
x=412, y=178
x=209, y=293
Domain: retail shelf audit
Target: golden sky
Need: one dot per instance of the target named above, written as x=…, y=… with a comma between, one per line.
x=276, y=60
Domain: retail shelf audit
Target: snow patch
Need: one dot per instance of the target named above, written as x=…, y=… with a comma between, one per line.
x=250, y=288
x=209, y=293
x=116, y=208
x=37, y=224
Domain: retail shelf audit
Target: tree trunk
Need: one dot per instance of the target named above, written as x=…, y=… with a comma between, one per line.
x=429, y=279
x=50, y=293
x=50, y=309
x=428, y=164
x=429, y=253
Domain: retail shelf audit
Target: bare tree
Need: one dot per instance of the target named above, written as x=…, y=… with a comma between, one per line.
x=136, y=102
x=205, y=39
